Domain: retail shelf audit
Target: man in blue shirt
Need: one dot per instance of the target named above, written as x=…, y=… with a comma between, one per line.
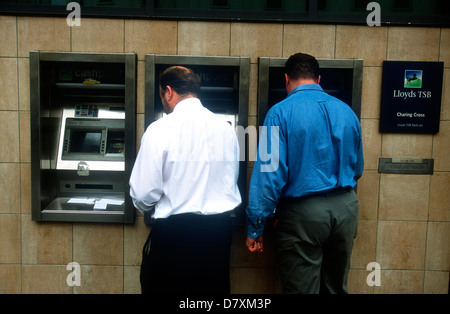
x=314, y=141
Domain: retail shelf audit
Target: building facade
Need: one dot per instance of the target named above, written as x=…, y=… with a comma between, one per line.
x=404, y=220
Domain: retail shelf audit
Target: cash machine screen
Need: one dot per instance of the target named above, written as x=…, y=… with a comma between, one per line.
x=92, y=140
x=85, y=142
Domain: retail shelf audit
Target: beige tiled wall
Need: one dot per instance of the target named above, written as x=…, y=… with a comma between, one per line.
x=404, y=219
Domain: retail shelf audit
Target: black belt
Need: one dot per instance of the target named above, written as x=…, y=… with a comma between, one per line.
x=187, y=217
x=336, y=191
x=328, y=193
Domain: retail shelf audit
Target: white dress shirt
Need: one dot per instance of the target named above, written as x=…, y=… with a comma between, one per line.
x=188, y=163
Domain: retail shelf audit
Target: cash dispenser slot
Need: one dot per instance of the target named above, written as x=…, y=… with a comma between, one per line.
x=87, y=186
x=83, y=139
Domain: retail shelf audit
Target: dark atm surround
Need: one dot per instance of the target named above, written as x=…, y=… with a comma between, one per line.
x=211, y=65
x=341, y=78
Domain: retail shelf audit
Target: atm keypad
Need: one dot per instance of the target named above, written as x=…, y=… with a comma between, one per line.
x=116, y=148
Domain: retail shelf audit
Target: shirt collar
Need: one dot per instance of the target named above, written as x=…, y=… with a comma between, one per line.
x=188, y=104
x=303, y=87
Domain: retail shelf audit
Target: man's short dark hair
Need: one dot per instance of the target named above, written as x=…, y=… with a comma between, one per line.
x=302, y=66
x=183, y=80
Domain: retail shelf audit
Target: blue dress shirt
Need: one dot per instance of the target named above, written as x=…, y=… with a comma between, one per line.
x=310, y=144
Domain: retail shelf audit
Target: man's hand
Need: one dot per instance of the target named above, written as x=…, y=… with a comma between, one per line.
x=255, y=245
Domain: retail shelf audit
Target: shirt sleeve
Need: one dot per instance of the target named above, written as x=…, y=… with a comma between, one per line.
x=269, y=176
x=146, y=180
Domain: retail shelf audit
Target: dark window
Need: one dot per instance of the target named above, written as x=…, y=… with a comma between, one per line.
x=393, y=12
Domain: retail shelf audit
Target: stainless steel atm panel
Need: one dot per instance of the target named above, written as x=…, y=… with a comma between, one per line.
x=83, y=136
x=224, y=91
x=341, y=78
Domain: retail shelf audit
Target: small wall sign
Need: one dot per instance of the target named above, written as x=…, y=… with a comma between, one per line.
x=411, y=97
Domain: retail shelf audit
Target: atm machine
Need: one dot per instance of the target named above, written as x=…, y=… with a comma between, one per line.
x=341, y=78
x=224, y=91
x=83, y=136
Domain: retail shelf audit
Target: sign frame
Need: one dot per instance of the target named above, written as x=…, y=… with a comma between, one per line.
x=411, y=97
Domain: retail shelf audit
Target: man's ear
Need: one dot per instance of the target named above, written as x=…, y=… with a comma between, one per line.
x=169, y=91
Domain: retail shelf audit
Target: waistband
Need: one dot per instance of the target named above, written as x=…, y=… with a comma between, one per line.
x=188, y=217
x=329, y=193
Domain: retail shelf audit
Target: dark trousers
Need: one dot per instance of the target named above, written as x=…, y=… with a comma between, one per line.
x=188, y=254
x=314, y=240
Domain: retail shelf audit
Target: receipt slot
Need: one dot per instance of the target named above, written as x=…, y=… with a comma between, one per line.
x=82, y=136
x=224, y=91
x=341, y=78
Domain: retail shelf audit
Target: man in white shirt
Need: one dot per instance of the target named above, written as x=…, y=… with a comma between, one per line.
x=186, y=173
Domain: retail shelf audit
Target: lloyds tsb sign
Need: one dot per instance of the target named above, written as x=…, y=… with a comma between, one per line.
x=411, y=97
